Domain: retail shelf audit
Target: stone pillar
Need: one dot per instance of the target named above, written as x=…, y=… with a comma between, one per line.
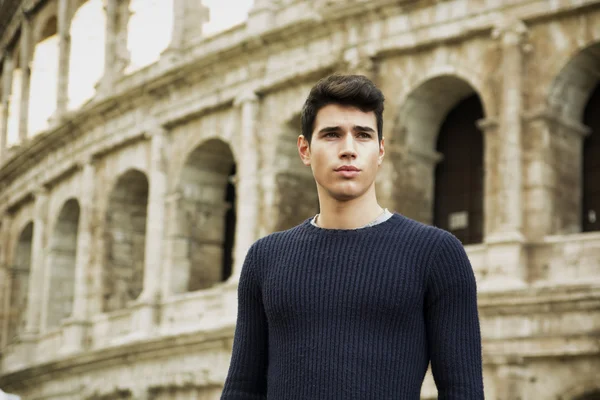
x=189, y=16
x=248, y=201
x=261, y=17
x=155, y=233
x=25, y=61
x=7, y=75
x=64, y=51
x=553, y=173
x=509, y=170
x=116, y=54
x=5, y=274
x=77, y=324
x=37, y=272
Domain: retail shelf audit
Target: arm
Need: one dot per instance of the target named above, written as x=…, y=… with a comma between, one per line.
x=451, y=316
x=247, y=376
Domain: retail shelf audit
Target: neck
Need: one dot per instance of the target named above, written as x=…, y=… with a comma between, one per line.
x=350, y=214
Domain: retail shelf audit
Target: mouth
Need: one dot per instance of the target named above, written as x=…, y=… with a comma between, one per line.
x=350, y=168
x=347, y=171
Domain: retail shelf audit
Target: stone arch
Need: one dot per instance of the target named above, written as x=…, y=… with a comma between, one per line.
x=429, y=112
x=202, y=235
x=574, y=84
x=125, y=240
x=575, y=97
x=61, y=261
x=296, y=196
x=87, y=28
x=19, y=282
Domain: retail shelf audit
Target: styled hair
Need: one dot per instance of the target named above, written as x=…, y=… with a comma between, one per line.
x=346, y=90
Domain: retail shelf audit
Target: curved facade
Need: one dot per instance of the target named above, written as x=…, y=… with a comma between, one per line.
x=124, y=220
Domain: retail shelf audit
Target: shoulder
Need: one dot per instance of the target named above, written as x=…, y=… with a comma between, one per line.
x=278, y=241
x=427, y=237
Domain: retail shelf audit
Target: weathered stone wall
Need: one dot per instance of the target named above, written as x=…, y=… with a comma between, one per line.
x=143, y=203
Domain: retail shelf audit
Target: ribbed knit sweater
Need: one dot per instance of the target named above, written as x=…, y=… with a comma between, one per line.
x=356, y=314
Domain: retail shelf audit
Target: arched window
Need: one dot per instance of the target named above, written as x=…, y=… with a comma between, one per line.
x=296, y=191
x=202, y=239
x=125, y=241
x=62, y=254
x=440, y=167
x=458, y=205
x=19, y=286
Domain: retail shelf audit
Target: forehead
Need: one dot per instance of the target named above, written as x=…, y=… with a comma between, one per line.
x=347, y=116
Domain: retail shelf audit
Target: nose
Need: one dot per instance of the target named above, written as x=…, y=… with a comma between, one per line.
x=348, y=149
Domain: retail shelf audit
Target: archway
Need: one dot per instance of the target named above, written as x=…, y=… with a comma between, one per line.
x=575, y=97
x=296, y=192
x=125, y=240
x=19, y=287
x=62, y=255
x=440, y=167
x=203, y=238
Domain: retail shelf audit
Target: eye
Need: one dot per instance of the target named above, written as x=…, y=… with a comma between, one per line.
x=330, y=134
x=364, y=135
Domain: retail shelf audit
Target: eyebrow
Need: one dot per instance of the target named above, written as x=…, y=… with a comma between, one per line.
x=354, y=128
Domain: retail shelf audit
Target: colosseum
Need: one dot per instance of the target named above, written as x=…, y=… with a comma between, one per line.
x=126, y=211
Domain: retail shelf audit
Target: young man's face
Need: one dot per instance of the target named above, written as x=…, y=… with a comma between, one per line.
x=344, y=153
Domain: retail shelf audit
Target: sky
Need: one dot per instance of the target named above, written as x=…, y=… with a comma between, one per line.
x=149, y=33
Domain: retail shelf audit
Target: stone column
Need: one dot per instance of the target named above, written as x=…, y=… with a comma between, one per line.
x=553, y=173
x=64, y=51
x=37, y=272
x=5, y=274
x=509, y=170
x=25, y=61
x=261, y=17
x=77, y=324
x=116, y=56
x=188, y=18
x=155, y=233
x=248, y=202
x=7, y=75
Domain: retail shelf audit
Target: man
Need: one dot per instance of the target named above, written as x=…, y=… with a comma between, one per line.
x=354, y=303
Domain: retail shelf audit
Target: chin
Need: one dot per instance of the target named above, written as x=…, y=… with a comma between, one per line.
x=346, y=193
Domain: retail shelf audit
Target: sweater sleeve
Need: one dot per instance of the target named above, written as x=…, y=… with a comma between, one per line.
x=452, y=320
x=247, y=375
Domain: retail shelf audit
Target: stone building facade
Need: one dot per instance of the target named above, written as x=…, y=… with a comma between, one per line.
x=123, y=226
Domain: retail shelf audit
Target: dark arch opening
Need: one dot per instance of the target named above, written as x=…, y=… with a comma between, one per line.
x=590, y=216
x=125, y=240
x=63, y=251
x=19, y=288
x=203, y=237
x=458, y=198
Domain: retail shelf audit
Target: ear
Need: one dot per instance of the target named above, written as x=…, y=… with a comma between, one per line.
x=304, y=150
x=381, y=151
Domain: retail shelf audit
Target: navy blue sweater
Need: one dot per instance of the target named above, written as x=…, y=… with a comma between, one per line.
x=356, y=314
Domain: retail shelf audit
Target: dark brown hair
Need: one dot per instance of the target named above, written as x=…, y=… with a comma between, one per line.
x=347, y=90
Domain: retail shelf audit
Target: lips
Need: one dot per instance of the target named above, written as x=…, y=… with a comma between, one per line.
x=347, y=171
x=347, y=168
